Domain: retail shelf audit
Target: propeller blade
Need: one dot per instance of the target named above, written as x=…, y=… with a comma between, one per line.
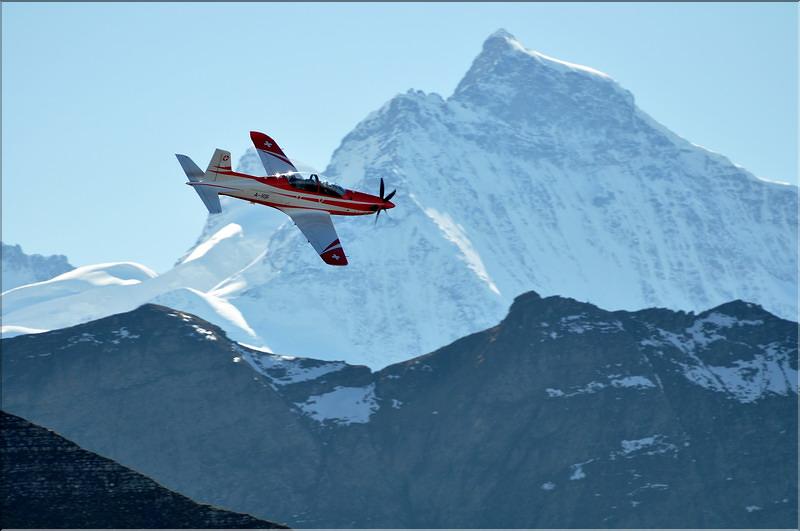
x=391, y=195
x=381, y=196
x=376, y=215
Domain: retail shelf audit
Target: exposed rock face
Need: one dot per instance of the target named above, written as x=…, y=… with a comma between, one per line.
x=49, y=482
x=20, y=268
x=563, y=415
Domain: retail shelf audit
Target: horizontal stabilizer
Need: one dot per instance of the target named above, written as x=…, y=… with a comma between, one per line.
x=195, y=175
x=191, y=170
x=210, y=198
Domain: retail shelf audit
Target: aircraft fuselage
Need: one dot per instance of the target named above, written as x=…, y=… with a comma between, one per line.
x=280, y=192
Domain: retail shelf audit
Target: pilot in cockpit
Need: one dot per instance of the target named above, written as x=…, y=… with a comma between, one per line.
x=314, y=184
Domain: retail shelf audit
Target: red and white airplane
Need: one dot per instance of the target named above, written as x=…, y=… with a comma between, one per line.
x=305, y=198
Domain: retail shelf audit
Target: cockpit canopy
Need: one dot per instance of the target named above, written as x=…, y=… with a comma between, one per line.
x=311, y=182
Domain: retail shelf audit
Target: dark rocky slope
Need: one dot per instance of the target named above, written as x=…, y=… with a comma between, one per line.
x=563, y=415
x=49, y=482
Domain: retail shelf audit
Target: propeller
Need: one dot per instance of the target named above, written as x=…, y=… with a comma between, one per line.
x=387, y=198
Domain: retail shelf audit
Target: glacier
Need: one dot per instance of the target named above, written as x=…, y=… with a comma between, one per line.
x=535, y=174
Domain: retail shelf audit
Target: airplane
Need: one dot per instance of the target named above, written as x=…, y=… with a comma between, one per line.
x=303, y=196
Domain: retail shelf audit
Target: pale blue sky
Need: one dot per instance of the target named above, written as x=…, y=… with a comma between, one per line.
x=98, y=97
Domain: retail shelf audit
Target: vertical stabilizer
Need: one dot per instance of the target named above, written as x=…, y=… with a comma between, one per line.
x=220, y=164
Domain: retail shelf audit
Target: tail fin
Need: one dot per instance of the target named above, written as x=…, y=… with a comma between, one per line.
x=220, y=163
x=196, y=178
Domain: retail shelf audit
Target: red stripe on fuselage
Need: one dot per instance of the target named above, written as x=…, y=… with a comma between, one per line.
x=281, y=206
x=363, y=203
x=328, y=200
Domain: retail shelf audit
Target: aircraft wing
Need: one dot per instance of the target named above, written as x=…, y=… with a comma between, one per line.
x=272, y=156
x=317, y=227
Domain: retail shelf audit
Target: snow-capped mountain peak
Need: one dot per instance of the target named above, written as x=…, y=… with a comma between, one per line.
x=529, y=87
x=536, y=174
x=501, y=42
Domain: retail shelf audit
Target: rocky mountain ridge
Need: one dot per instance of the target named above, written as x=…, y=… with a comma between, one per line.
x=20, y=268
x=652, y=418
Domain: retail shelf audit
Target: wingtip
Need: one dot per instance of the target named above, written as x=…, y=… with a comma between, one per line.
x=334, y=257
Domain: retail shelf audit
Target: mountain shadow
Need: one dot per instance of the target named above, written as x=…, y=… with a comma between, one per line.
x=50, y=482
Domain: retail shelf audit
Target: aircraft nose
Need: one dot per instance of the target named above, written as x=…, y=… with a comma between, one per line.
x=388, y=204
